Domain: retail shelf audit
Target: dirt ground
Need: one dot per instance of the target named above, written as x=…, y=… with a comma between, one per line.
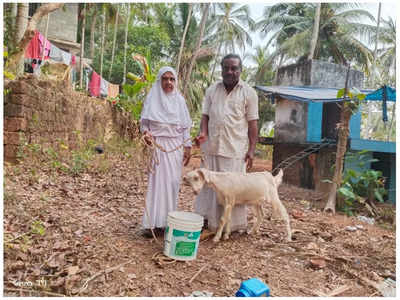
x=77, y=236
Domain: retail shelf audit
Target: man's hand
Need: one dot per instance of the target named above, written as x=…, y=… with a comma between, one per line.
x=186, y=156
x=249, y=159
x=201, y=138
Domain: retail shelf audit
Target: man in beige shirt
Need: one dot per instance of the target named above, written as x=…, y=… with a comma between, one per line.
x=228, y=136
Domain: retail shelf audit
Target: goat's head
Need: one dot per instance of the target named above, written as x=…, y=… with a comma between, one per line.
x=196, y=179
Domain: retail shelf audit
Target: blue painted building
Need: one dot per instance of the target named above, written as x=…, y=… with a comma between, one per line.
x=308, y=115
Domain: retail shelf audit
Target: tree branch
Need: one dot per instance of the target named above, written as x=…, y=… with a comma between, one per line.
x=16, y=58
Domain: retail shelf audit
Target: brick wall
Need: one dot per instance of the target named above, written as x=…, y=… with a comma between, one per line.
x=46, y=111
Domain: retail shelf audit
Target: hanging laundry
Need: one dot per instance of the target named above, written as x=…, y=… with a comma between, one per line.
x=86, y=73
x=33, y=51
x=73, y=60
x=113, y=90
x=44, y=42
x=56, y=53
x=66, y=57
x=103, y=87
x=94, y=85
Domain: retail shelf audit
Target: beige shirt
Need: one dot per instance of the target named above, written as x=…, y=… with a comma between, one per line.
x=228, y=118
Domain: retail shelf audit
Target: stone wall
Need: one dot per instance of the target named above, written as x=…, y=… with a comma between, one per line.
x=319, y=74
x=46, y=112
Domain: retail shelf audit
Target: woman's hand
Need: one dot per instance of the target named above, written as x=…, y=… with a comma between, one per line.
x=148, y=137
x=186, y=155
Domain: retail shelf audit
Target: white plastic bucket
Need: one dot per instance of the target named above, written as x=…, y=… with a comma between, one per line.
x=182, y=235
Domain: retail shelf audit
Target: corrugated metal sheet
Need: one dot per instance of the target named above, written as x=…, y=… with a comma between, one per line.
x=315, y=94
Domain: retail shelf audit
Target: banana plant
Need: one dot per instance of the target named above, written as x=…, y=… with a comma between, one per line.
x=144, y=81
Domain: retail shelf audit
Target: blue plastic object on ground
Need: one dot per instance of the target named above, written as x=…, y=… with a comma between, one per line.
x=253, y=288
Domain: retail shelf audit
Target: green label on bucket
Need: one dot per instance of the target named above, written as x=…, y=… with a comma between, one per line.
x=185, y=248
x=187, y=234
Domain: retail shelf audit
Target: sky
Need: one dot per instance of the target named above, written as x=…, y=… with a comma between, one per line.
x=257, y=8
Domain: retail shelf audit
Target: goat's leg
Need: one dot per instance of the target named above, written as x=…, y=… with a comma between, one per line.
x=228, y=209
x=258, y=213
x=280, y=210
x=222, y=222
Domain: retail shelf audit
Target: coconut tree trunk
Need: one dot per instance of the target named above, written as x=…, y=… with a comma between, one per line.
x=277, y=68
x=92, y=32
x=372, y=77
x=82, y=54
x=103, y=33
x=216, y=60
x=198, y=44
x=114, y=42
x=377, y=29
x=16, y=60
x=184, y=37
x=315, y=33
x=126, y=40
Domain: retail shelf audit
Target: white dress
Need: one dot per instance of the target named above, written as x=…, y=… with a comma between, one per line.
x=163, y=183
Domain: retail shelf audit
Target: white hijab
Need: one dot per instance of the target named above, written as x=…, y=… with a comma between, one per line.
x=166, y=108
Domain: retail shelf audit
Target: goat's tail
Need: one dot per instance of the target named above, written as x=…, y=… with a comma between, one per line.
x=278, y=178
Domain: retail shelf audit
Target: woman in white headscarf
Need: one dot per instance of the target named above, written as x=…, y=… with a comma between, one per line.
x=165, y=117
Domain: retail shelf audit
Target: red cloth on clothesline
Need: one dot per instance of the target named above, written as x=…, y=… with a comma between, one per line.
x=35, y=47
x=94, y=85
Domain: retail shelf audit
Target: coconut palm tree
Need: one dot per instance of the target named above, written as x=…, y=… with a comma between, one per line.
x=232, y=25
x=189, y=15
x=337, y=36
x=127, y=20
x=206, y=8
x=315, y=32
x=387, y=37
x=263, y=73
x=114, y=41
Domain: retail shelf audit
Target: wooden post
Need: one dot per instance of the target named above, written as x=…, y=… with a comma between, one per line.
x=82, y=47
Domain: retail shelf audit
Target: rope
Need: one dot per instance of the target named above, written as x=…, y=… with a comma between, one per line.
x=160, y=259
x=152, y=145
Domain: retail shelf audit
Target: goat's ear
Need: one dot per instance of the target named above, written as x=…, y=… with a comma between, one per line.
x=205, y=174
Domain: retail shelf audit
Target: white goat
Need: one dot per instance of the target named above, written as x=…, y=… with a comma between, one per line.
x=240, y=188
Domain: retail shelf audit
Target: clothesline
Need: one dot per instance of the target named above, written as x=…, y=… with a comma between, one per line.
x=97, y=86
